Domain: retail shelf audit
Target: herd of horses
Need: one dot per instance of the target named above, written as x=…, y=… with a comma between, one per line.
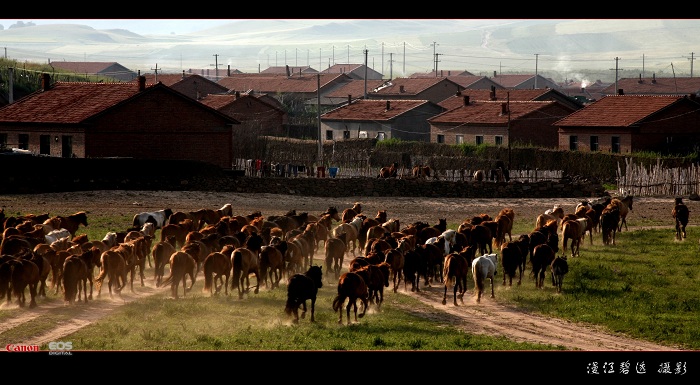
x=233, y=250
x=498, y=174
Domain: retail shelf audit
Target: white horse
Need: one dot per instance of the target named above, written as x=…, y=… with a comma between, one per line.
x=484, y=267
x=226, y=210
x=158, y=218
x=55, y=235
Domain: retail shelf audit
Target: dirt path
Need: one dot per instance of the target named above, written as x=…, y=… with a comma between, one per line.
x=488, y=317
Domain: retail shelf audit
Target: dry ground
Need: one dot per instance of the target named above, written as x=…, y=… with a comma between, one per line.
x=487, y=317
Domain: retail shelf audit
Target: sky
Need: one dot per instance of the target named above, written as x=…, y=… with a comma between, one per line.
x=139, y=26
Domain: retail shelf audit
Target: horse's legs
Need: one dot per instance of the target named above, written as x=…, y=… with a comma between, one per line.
x=492, y=295
x=313, y=309
x=303, y=311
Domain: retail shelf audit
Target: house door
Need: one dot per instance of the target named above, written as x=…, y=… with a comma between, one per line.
x=66, y=146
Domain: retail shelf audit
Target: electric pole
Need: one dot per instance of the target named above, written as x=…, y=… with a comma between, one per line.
x=216, y=65
x=365, y=51
x=156, y=72
x=536, y=57
x=616, y=69
x=435, y=44
x=691, y=58
x=436, y=64
x=391, y=66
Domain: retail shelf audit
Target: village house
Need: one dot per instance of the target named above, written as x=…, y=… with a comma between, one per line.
x=112, y=70
x=381, y=119
x=194, y=86
x=633, y=123
x=498, y=122
x=100, y=120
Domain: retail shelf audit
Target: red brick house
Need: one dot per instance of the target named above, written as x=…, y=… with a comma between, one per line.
x=432, y=89
x=255, y=114
x=503, y=95
x=633, y=123
x=497, y=122
x=97, y=120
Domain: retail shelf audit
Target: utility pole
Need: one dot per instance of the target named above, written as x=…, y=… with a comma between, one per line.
x=382, y=57
x=296, y=57
x=318, y=101
x=436, y=64
x=536, y=57
x=365, y=52
x=691, y=58
x=216, y=65
x=435, y=44
x=156, y=72
x=391, y=66
x=508, y=129
x=404, y=58
x=348, y=53
x=617, y=59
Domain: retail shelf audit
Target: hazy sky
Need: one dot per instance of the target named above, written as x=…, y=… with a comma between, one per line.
x=139, y=26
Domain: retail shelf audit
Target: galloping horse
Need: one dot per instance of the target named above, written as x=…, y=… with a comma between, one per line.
x=422, y=172
x=300, y=288
x=216, y=265
x=484, y=267
x=456, y=269
x=625, y=205
x=389, y=172
x=351, y=287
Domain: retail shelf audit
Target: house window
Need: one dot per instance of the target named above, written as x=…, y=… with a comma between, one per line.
x=3, y=140
x=459, y=139
x=329, y=134
x=380, y=135
x=441, y=138
x=479, y=139
x=615, y=144
x=594, y=143
x=362, y=134
x=23, y=142
x=346, y=134
x=45, y=144
x=499, y=140
x=573, y=142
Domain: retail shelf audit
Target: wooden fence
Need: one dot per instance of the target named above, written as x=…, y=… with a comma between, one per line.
x=657, y=180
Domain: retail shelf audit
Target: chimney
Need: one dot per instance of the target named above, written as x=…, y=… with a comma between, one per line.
x=228, y=70
x=142, y=83
x=388, y=105
x=492, y=94
x=620, y=92
x=466, y=100
x=349, y=98
x=494, y=74
x=45, y=82
x=401, y=89
x=183, y=74
x=653, y=78
x=504, y=108
x=583, y=89
x=640, y=79
x=286, y=67
x=238, y=95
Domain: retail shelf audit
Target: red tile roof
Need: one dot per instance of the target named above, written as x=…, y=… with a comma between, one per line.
x=82, y=67
x=167, y=79
x=618, y=110
x=411, y=86
x=342, y=68
x=500, y=95
x=655, y=86
x=441, y=73
x=488, y=112
x=280, y=84
x=218, y=101
x=293, y=70
x=364, y=109
x=68, y=102
x=355, y=88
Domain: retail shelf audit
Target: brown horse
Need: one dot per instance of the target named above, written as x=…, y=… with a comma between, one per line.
x=161, y=256
x=23, y=273
x=504, y=219
x=559, y=268
x=216, y=265
x=351, y=287
x=395, y=259
x=625, y=206
x=245, y=262
x=455, y=270
x=422, y=172
x=181, y=265
x=303, y=287
x=609, y=223
x=542, y=256
x=334, y=253
x=389, y=171
x=113, y=267
x=376, y=278
x=75, y=276
x=350, y=213
x=73, y=221
x=272, y=263
x=571, y=230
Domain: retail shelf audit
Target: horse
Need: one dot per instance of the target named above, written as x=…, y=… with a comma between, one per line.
x=271, y=262
x=70, y=222
x=334, y=253
x=609, y=223
x=415, y=266
x=351, y=230
x=161, y=252
x=484, y=267
x=625, y=205
x=455, y=271
x=303, y=287
x=216, y=265
x=559, y=268
x=512, y=255
x=245, y=262
x=479, y=175
x=23, y=273
x=542, y=256
x=389, y=171
x=422, y=172
x=75, y=276
x=350, y=213
x=571, y=230
x=555, y=213
x=681, y=215
x=376, y=278
x=158, y=218
x=181, y=265
x=351, y=287
x=113, y=267
x=504, y=219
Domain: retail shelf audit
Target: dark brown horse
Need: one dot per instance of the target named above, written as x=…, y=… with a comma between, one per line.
x=216, y=266
x=542, y=256
x=395, y=259
x=559, y=268
x=23, y=273
x=609, y=223
x=625, y=206
x=272, y=264
x=376, y=278
x=303, y=287
x=161, y=256
x=681, y=214
x=73, y=221
x=389, y=171
x=75, y=276
x=245, y=262
x=351, y=287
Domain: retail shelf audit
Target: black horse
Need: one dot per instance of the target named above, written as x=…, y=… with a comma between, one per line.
x=681, y=214
x=302, y=287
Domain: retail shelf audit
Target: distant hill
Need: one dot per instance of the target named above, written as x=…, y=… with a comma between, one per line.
x=561, y=49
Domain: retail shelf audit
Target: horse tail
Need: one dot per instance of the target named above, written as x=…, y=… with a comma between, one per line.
x=237, y=258
x=478, y=277
x=168, y=280
x=208, y=276
x=338, y=302
x=291, y=301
